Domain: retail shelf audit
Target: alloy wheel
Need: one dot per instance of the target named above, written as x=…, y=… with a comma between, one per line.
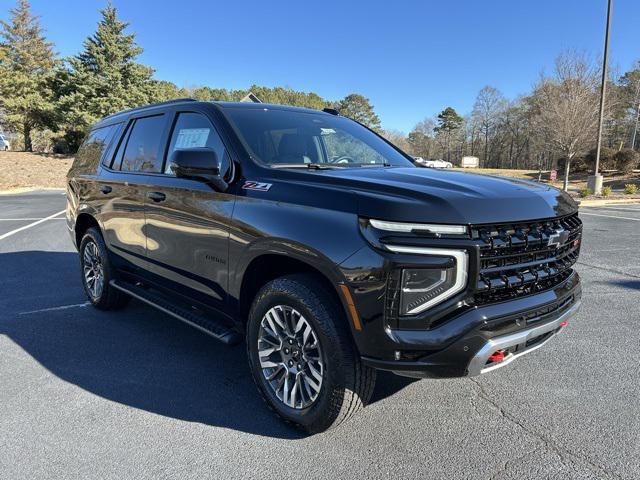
x=93, y=270
x=290, y=357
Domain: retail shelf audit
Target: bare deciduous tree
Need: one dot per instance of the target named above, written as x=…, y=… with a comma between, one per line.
x=566, y=107
x=421, y=139
x=398, y=138
x=486, y=110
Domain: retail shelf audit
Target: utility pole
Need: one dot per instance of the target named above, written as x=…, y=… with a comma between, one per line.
x=594, y=182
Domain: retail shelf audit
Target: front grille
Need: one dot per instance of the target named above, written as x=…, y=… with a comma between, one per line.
x=518, y=259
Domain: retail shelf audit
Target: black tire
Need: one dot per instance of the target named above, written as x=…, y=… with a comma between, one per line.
x=108, y=298
x=346, y=385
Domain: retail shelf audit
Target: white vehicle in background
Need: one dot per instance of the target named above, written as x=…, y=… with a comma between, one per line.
x=4, y=143
x=437, y=164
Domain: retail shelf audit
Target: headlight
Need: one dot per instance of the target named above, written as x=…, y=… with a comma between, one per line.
x=422, y=288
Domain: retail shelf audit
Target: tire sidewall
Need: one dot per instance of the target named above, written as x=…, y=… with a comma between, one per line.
x=92, y=235
x=333, y=381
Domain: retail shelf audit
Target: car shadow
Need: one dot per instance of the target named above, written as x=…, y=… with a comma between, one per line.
x=623, y=283
x=631, y=284
x=136, y=356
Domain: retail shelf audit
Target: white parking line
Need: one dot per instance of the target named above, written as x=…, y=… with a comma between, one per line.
x=26, y=219
x=52, y=309
x=609, y=216
x=12, y=232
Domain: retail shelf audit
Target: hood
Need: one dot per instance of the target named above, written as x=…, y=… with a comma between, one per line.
x=436, y=196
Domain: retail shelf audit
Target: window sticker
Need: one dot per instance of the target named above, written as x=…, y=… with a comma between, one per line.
x=192, y=137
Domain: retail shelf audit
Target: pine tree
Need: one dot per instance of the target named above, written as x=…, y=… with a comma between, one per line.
x=448, y=122
x=26, y=66
x=104, y=78
x=359, y=108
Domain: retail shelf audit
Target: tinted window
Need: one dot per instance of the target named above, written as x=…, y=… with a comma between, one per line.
x=194, y=130
x=94, y=146
x=117, y=158
x=142, y=152
x=295, y=138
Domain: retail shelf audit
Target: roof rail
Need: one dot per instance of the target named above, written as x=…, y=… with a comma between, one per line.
x=332, y=111
x=159, y=104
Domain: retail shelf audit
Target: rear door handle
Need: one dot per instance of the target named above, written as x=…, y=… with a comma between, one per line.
x=105, y=189
x=156, y=196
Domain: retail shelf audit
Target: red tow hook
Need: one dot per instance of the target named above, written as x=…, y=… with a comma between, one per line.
x=496, y=356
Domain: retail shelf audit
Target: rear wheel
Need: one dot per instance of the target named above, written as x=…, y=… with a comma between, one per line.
x=302, y=357
x=97, y=272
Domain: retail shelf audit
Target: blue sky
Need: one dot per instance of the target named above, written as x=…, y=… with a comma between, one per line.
x=411, y=58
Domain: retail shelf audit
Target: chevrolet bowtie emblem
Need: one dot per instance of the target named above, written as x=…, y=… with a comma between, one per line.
x=558, y=237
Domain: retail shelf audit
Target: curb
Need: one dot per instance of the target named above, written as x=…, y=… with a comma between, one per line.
x=599, y=202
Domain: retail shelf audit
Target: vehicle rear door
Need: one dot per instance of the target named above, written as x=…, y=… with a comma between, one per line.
x=126, y=181
x=187, y=221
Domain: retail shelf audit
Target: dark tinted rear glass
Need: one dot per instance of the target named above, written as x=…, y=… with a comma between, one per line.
x=143, y=149
x=92, y=149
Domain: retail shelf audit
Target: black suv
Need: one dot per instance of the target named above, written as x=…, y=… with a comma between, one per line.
x=321, y=245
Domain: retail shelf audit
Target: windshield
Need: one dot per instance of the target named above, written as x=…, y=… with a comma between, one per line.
x=286, y=138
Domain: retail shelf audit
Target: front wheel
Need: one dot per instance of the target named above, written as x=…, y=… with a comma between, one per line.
x=302, y=357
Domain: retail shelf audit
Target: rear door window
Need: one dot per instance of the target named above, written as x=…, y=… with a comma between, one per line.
x=143, y=149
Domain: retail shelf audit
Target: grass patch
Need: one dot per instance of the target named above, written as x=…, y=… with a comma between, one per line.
x=631, y=189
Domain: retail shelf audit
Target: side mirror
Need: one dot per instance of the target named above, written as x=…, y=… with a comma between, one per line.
x=198, y=164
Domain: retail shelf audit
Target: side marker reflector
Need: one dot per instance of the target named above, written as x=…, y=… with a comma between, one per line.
x=355, y=318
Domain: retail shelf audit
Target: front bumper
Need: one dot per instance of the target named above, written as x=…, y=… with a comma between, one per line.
x=519, y=343
x=465, y=346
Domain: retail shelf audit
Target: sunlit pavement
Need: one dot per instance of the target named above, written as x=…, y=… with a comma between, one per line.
x=136, y=394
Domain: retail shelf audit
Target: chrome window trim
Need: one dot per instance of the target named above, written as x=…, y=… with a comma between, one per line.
x=424, y=227
x=462, y=271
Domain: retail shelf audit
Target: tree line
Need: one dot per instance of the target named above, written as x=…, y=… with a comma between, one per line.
x=50, y=101
x=553, y=125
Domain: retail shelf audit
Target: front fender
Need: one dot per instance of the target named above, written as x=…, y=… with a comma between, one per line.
x=286, y=248
x=319, y=237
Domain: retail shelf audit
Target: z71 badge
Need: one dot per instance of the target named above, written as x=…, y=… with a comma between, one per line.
x=260, y=186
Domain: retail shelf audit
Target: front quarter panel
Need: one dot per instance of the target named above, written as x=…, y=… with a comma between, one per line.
x=264, y=224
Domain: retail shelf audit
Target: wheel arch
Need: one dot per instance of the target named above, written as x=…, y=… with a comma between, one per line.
x=84, y=222
x=268, y=266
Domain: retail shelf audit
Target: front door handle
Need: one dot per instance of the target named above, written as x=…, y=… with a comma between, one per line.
x=156, y=196
x=105, y=189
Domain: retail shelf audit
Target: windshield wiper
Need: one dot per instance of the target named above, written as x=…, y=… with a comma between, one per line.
x=310, y=166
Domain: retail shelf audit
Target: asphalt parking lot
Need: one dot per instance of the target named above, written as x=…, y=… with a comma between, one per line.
x=136, y=394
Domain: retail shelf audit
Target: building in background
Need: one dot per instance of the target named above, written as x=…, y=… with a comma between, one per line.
x=470, y=162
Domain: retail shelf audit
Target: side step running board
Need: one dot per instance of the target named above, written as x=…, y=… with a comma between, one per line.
x=208, y=325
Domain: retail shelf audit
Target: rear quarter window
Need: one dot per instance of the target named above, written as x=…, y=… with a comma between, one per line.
x=92, y=150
